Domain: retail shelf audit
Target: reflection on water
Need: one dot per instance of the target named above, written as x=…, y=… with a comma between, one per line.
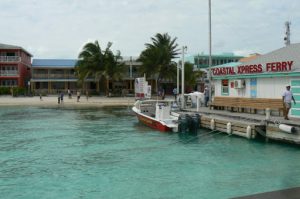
x=106, y=153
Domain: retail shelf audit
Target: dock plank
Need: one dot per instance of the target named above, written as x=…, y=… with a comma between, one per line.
x=292, y=193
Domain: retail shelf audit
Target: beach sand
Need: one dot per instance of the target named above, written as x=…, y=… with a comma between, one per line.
x=53, y=101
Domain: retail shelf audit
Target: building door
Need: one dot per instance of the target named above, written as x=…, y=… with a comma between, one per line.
x=253, y=87
x=295, y=87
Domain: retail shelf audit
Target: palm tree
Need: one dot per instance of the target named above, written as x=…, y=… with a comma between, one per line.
x=114, y=67
x=90, y=62
x=157, y=57
x=95, y=63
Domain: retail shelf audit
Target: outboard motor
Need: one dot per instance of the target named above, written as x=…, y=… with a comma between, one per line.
x=195, y=123
x=182, y=124
x=189, y=124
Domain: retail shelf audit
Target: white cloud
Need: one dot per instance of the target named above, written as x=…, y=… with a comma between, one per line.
x=59, y=28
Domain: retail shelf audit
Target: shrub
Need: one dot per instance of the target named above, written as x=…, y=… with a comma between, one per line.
x=4, y=91
x=19, y=91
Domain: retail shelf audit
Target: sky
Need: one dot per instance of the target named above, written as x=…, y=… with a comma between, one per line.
x=60, y=28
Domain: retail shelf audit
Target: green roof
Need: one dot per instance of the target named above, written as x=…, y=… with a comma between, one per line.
x=223, y=55
x=228, y=65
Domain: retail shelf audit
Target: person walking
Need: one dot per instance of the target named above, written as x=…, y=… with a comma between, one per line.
x=62, y=97
x=206, y=96
x=58, y=98
x=287, y=98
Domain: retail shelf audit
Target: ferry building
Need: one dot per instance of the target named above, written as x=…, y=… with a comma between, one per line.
x=263, y=77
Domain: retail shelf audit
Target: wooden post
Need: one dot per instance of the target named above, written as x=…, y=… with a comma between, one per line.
x=49, y=87
x=97, y=86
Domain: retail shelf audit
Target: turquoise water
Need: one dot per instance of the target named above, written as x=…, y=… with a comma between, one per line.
x=106, y=153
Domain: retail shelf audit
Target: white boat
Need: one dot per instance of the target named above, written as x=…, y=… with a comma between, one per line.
x=157, y=114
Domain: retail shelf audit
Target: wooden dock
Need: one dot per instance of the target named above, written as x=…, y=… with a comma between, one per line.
x=292, y=193
x=247, y=125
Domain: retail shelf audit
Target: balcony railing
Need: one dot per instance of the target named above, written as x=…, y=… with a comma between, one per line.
x=10, y=58
x=8, y=73
x=54, y=76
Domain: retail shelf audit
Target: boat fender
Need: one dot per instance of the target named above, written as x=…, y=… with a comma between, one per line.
x=229, y=128
x=287, y=128
x=212, y=124
x=248, y=132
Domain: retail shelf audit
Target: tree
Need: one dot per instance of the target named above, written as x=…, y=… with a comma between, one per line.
x=114, y=67
x=157, y=57
x=90, y=62
x=95, y=63
x=190, y=76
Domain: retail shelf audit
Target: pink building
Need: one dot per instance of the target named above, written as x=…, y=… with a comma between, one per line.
x=15, y=65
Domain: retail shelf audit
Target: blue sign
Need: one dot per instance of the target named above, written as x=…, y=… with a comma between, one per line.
x=253, y=87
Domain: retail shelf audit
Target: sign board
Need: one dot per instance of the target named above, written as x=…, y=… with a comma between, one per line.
x=284, y=66
x=253, y=87
x=142, y=89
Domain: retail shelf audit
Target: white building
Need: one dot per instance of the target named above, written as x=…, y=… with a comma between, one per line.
x=264, y=77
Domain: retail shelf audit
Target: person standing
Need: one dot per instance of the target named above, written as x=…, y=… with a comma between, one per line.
x=206, y=96
x=87, y=95
x=62, y=97
x=175, y=93
x=287, y=98
x=69, y=94
x=78, y=96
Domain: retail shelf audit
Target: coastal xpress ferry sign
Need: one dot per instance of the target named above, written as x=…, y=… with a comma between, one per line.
x=283, y=66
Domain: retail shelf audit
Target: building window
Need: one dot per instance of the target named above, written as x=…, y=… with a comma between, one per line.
x=8, y=83
x=10, y=54
x=225, y=87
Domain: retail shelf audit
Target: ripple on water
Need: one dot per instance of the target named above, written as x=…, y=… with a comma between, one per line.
x=106, y=153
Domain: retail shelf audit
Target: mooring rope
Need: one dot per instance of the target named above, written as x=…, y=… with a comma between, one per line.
x=211, y=133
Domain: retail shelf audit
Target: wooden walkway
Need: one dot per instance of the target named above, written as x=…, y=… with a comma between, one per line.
x=292, y=193
x=247, y=125
x=244, y=116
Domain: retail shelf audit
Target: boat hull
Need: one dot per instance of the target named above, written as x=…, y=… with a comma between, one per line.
x=153, y=123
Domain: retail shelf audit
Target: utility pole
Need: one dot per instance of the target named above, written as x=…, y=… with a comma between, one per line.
x=130, y=72
x=184, y=48
x=209, y=61
x=177, y=80
x=287, y=33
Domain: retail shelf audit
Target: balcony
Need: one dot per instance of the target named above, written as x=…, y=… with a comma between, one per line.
x=53, y=76
x=9, y=73
x=10, y=58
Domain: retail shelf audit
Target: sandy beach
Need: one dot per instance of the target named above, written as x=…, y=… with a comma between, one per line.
x=53, y=101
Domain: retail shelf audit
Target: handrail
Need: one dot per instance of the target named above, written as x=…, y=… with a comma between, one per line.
x=9, y=73
x=10, y=58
